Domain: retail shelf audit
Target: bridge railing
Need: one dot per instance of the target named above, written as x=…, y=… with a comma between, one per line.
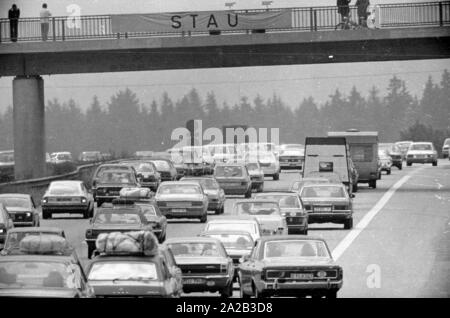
x=303, y=19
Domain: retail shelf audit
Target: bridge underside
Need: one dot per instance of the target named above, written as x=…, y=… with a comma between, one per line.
x=223, y=51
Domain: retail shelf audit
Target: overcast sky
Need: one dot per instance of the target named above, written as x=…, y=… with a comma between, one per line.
x=292, y=83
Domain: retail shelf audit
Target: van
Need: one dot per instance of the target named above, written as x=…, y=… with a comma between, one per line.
x=327, y=156
x=363, y=147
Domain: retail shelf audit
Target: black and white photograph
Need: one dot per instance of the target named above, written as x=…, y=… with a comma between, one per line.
x=230, y=154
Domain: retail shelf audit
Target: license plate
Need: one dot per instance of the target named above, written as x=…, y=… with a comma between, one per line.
x=233, y=184
x=178, y=210
x=194, y=281
x=302, y=276
x=322, y=209
x=178, y=204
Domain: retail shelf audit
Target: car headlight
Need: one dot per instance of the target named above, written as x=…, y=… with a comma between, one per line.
x=28, y=214
x=2, y=230
x=321, y=274
x=44, y=200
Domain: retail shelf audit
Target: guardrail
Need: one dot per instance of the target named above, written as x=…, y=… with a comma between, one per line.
x=36, y=187
x=65, y=28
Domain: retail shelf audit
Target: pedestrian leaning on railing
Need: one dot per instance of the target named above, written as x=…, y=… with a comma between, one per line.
x=13, y=16
x=45, y=21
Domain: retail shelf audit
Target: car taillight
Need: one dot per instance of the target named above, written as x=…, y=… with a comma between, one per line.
x=44, y=200
x=88, y=233
x=83, y=200
x=340, y=207
x=197, y=203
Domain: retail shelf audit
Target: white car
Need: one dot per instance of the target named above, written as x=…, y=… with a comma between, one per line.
x=421, y=152
x=236, y=223
x=61, y=157
x=267, y=161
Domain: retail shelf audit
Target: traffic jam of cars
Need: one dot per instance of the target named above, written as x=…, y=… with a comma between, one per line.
x=259, y=244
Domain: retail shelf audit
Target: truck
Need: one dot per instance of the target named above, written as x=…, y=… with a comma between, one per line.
x=363, y=147
x=328, y=157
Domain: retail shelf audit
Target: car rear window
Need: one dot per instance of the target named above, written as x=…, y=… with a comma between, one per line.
x=64, y=189
x=323, y=192
x=119, y=217
x=229, y=171
x=421, y=147
x=117, y=271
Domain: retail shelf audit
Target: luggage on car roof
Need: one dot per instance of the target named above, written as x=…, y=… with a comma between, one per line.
x=137, y=242
x=44, y=244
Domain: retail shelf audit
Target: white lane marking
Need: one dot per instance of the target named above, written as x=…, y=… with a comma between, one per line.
x=350, y=237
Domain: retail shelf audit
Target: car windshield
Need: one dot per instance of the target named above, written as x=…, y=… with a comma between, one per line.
x=13, y=238
x=103, y=169
x=285, y=201
x=421, y=147
x=298, y=248
x=323, y=192
x=330, y=176
x=7, y=157
x=234, y=241
x=179, y=189
x=252, y=166
x=161, y=165
x=64, y=157
x=117, y=217
x=299, y=184
x=123, y=271
x=195, y=249
x=16, y=202
x=39, y=274
x=229, y=171
x=207, y=183
x=149, y=211
x=246, y=227
x=447, y=142
x=257, y=208
x=64, y=189
x=144, y=167
x=117, y=177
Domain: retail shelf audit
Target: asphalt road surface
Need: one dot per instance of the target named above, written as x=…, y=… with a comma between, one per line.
x=399, y=246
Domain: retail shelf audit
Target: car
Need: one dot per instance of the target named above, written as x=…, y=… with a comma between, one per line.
x=385, y=161
x=90, y=156
x=267, y=213
x=147, y=174
x=204, y=263
x=142, y=198
x=237, y=244
x=421, y=152
x=328, y=203
x=292, y=210
x=268, y=162
x=256, y=175
x=182, y=199
x=108, y=167
x=403, y=146
x=291, y=156
x=21, y=208
x=216, y=195
x=46, y=266
x=110, y=183
x=394, y=152
x=195, y=163
x=6, y=224
x=446, y=148
x=120, y=217
x=297, y=186
x=241, y=223
x=165, y=168
x=15, y=235
x=61, y=157
x=295, y=266
x=234, y=179
x=67, y=196
x=118, y=272
x=7, y=165
x=174, y=270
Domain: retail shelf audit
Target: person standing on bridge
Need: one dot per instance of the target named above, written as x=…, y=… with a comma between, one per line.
x=13, y=16
x=343, y=9
x=45, y=21
x=362, y=11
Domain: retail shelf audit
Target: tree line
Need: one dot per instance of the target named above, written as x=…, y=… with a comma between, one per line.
x=125, y=125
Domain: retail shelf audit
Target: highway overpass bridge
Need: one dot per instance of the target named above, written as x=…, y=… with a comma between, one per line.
x=400, y=33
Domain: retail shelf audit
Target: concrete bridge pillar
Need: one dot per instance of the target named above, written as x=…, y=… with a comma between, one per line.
x=29, y=127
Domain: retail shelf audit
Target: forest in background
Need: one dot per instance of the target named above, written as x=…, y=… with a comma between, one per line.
x=125, y=124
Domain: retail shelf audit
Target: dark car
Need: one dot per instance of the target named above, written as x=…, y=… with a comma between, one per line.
x=216, y=195
x=165, y=168
x=49, y=269
x=234, y=179
x=290, y=266
x=147, y=173
x=204, y=264
x=237, y=244
x=132, y=276
x=151, y=212
x=15, y=235
x=21, y=208
x=394, y=152
x=67, y=196
x=328, y=203
x=291, y=207
x=118, y=218
x=111, y=182
x=108, y=167
x=6, y=224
